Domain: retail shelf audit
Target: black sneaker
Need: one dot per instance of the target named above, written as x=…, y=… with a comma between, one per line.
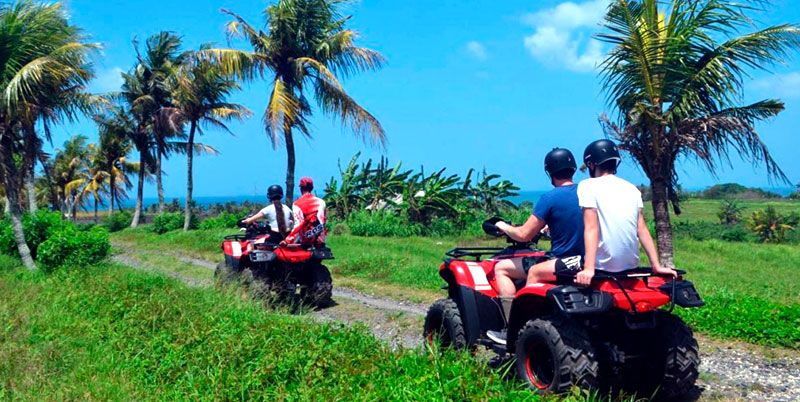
x=498, y=337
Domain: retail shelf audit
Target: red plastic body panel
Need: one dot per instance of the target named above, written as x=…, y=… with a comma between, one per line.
x=292, y=254
x=646, y=297
x=536, y=289
x=478, y=275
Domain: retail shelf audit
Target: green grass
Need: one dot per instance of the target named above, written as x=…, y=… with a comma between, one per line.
x=706, y=210
x=111, y=333
x=752, y=290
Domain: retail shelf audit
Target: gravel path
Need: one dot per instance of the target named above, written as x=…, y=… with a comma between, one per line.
x=727, y=372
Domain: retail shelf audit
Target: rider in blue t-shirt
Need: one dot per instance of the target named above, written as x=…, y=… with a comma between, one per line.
x=560, y=211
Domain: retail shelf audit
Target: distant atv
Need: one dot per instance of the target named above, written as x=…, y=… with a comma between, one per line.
x=273, y=271
x=613, y=335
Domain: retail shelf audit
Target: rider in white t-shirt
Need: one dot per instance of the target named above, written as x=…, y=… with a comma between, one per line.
x=612, y=216
x=279, y=217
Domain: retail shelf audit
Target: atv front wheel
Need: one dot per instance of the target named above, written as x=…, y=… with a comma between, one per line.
x=319, y=291
x=443, y=321
x=223, y=275
x=553, y=354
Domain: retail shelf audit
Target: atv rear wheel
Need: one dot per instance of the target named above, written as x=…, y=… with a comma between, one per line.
x=319, y=291
x=674, y=357
x=553, y=354
x=443, y=321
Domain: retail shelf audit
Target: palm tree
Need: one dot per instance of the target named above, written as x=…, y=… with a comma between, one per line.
x=114, y=145
x=140, y=112
x=160, y=61
x=70, y=166
x=676, y=75
x=199, y=97
x=305, y=47
x=41, y=51
x=95, y=185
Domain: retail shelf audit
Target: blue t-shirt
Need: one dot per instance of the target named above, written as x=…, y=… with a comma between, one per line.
x=559, y=208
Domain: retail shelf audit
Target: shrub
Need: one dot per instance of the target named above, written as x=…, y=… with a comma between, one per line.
x=339, y=229
x=171, y=221
x=118, y=220
x=38, y=227
x=224, y=220
x=771, y=226
x=702, y=230
x=730, y=212
x=794, y=196
x=381, y=223
x=73, y=247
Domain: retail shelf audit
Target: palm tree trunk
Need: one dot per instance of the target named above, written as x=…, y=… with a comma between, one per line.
x=9, y=172
x=187, y=213
x=663, y=225
x=139, y=190
x=159, y=184
x=28, y=166
x=289, y=167
x=52, y=189
x=96, y=221
x=111, y=188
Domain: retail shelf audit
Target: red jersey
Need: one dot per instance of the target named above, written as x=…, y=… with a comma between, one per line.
x=309, y=213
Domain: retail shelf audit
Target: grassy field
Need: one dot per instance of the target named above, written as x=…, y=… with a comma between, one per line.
x=706, y=210
x=111, y=333
x=751, y=289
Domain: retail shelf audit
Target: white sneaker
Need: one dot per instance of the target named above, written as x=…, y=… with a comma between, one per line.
x=498, y=337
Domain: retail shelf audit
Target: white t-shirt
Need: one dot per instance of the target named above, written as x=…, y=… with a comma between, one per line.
x=272, y=217
x=618, y=203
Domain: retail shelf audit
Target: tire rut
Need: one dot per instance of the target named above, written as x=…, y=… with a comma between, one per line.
x=727, y=372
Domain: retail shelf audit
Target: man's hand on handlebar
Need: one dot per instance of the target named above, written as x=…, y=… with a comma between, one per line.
x=660, y=270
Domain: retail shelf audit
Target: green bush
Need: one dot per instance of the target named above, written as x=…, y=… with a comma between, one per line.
x=381, y=223
x=73, y=247
x=118, y=220
x=224, y=220
x=38, y=227
x=773, y=227
x=702, y=230
x=171, y=221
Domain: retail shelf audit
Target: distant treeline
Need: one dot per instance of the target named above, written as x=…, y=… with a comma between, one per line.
x=727, y=191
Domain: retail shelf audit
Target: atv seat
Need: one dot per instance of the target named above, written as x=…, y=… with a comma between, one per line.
x=640, y=272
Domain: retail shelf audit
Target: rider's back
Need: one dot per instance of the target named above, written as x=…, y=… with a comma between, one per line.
x=310, y=212
x=560, y=210
x=271, y=216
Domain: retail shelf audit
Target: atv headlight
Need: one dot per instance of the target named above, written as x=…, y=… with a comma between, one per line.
x=262, y=256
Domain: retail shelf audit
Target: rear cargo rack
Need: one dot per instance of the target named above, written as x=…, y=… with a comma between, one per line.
x=236, y=237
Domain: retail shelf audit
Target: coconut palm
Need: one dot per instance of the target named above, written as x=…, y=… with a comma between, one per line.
x=675, y=75
x=70, y=166
x=41, y=51
x=160, y=61
x=114, y=145
x=95, y=185
x=200, y=93
x=304, y=48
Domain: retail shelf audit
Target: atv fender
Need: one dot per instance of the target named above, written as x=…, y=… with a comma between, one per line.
x=478, y=309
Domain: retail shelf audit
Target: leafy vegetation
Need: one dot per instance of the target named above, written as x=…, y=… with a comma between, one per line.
x=730, y=212
x=170, y=221
x=117, y=221
x=676, y=76
x=110, y=333
x=771, y=226
x=734, y=191
x=221, y=221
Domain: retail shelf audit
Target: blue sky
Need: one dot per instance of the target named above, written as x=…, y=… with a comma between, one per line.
x=467, y=84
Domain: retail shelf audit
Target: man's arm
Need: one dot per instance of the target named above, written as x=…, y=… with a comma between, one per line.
x=591, y=235
x=525, y=232
x=650, y=248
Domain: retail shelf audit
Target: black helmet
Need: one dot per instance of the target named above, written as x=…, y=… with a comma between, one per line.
x=559, y=159
x=274, y=192
x=601, y=151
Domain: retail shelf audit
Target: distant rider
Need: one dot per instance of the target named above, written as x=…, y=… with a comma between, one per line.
x=309, y=212
x=557, y=209
x=279, y=217
x=613, y=221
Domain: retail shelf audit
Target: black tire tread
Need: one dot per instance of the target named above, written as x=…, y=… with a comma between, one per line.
x=681, y=357
x=577, y=361
x=320, y=288
x=444, y=311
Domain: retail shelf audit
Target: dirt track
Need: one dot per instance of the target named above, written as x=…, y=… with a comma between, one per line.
x=729, y=371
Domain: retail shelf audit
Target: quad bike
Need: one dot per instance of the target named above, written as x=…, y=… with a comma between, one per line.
x=274, y=270
x=616, y=335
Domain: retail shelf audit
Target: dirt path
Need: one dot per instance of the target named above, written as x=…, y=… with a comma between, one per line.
x=729, y=371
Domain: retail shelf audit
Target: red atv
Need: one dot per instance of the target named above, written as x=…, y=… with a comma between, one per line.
x=276, y=271
x=617, y=334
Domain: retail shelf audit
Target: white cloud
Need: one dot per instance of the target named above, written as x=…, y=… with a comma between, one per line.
x=107, y=80
x=780, y=85
x=562, y=35
x=477, y=50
